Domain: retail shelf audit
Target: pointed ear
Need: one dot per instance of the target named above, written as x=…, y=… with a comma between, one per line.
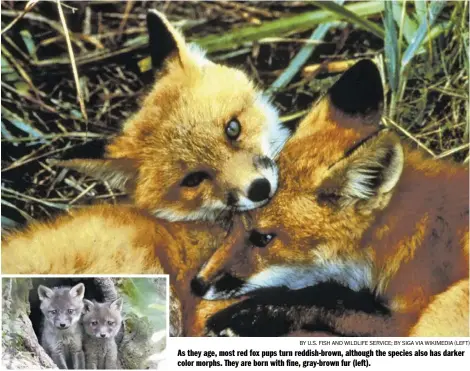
x=354, y=101
x=116, y=305
x=369, y=170
x=78, y=291
x=88, y=305
x=165, y=43
x=358, y=94
x=119, y=172
x=44, y=292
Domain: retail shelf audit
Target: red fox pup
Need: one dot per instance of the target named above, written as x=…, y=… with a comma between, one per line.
x=203, y=141
x=116, y=239
x=355, y=208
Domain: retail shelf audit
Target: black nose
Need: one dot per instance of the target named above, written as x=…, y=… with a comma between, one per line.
x=62, y=325
x=198, y=286
x=259, y=190
x=103, y=335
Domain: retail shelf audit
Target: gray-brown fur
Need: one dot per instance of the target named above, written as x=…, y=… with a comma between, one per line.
x=101, y=323
x=62, y=332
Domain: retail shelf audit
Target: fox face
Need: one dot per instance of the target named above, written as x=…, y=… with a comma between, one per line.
x=338, y=171
x=62, y=306
x=204, y=140
x=102, y=320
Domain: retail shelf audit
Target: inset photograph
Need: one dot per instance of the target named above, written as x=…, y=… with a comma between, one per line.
x=74, y=322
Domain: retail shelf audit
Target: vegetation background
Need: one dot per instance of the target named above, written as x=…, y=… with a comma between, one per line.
x=72, y=72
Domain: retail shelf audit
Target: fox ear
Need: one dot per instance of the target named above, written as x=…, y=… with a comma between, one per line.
x=165, y=42
x=369, y=170
x=78, y=291
x=44, y=292
x=88, y=305
x=119, y=172
x=357, y=95
x=116, y=305
x=354, y=101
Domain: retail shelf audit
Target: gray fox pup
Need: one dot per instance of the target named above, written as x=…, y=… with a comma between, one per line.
x=101, y=322
x=62, y=332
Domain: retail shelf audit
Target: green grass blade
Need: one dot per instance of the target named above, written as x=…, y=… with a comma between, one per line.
x=6, y=133
x=24, y=126
x=407, y=26
x=297, y=23
x=349, y=15
x=301, y=58
x=426, y=23
x=433, y=33
x=420, y=9
x=391, y=47
x=8, y=223
x=29, y=43
x=6, y=67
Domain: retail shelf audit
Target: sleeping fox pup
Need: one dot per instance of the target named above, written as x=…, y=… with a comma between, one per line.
x=355, y=207
x=203, y=140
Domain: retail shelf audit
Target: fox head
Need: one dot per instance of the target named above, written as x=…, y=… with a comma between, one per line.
x=102, y=320
x=337, y=172
x=62, y=306
x=204, y=140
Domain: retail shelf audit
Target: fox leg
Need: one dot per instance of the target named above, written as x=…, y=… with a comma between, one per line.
x=91, y=361
x=324, y=307
x=78, y=360
x=59, y=360
x=110, y=360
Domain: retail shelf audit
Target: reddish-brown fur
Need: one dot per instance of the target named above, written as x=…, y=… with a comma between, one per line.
x=413, y=236
x=447, y=314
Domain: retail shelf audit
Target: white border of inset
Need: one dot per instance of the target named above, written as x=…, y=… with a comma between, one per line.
x=6, y=276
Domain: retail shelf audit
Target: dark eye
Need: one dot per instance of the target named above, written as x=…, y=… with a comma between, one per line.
x=70, y=311
x=94, y=323
x=233, y=129
x=53, y=311
x=260, y=239
x=110, y=323
x=194, y=179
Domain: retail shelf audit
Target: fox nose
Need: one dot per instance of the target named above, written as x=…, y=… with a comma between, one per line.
x=62, y=325
x=103, y=335
x=198, y=286
x=259, y=190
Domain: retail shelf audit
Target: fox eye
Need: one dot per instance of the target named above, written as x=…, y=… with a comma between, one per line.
x=194, y=179
x=233, y=129
x=94, y=323
x=110, y=323
x=260, y=239
x=53, y=311
x=70, y=311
